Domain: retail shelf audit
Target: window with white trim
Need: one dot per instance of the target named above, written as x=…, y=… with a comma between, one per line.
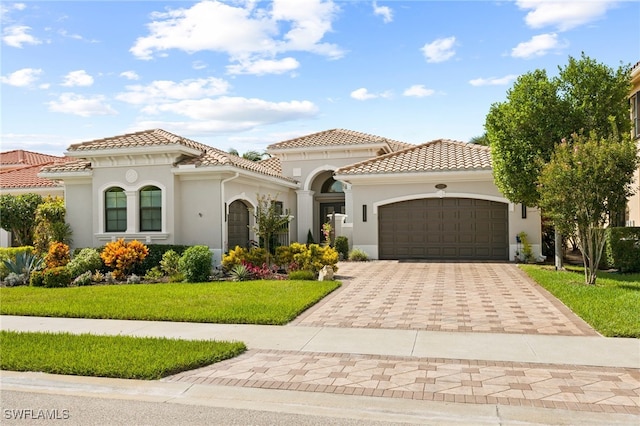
x=150, y=209
x=115, y=210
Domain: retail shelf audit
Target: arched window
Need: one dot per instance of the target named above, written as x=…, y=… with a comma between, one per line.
x=150, y=209
x=331, y=186
x=115, y=210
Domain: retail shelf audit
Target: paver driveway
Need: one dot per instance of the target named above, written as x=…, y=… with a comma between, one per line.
x=443, y=296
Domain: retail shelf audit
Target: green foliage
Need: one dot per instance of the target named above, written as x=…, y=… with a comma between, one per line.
x=56, y=277
x=154, y=274
x=170, y=262
x=239, y=255
x=50, y=225
x=9, y=253
x=154, y=256
x=539, y=112
x=82, y=279
x=623, y=248
x=526, y=254
x=146, y=358
x=358, y=255
x=302, y=275
x=18, y=216
x=240, y=273
x=587, y=179
x=37, y=279
x=310, y=239
x=272, y=302
x=342, y=246
x=87, y=260
x=23, y=263
x=268, y=221
x=195, y=264
x=314, y=257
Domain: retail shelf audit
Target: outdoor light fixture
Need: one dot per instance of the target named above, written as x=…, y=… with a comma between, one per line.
x=441, y=186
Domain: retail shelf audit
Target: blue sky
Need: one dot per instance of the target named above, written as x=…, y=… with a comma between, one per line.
x=244, y=74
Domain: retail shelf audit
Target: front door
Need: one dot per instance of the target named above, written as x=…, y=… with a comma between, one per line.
x=325, y=210
x=238, y=225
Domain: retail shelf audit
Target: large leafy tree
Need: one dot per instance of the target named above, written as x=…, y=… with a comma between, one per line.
x=587, y=180
x=540, y=112
x=18, y=216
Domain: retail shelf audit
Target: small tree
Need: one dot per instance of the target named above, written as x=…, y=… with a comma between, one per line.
x=269, y=221
x=50, y=225
x=17, y=215
x=584, y=184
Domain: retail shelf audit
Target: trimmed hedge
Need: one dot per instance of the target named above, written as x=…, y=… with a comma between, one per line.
x=623, y=248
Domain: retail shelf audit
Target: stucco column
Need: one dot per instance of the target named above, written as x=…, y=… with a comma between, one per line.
x=348, y=203
x=305, y=213
x=132, y=212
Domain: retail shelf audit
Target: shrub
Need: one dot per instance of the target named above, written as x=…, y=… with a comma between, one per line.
x=342, y=247
x=262, y=272
x=169, y=262
x=195, y=264
x=56, y=277
x=133, y=279
x=154, y=274
x=154, y=256
x=14, y=279
x=36, y=279
x=122, y=256
x=236, y=256
x=9, y=253
x=256, y=256
x=302, y=275
x=24, y=263
x=87, y=260
x=240, y=273
x=623, y=248
x=358, y=255
x=82, y=279
x=58, y=255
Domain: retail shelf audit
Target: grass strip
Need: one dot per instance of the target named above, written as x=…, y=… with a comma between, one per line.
x=109, y=356
x=248, y=302
x=612, y=306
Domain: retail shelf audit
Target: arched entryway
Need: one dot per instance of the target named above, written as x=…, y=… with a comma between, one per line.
x=330, y=199
x=238, y=225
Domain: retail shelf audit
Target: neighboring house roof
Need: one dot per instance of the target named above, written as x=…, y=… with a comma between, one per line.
x=435, y=156
x=146, y=138
x=21, y=158
x=338, y=137
x=25, y=177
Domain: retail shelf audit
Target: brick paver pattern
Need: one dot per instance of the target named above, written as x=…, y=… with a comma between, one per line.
x=569, y=387
x=443, y=296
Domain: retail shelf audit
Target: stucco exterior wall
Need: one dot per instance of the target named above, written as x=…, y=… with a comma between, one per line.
x=200, y=213
x=80, y=212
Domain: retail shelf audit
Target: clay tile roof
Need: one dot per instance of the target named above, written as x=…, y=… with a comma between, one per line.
x=25, y=177
x=146, y=138
x=21, y=158
x=214, y=157
x=69, y=166
x=434, y=156
x=337, y=137
x=272, y=163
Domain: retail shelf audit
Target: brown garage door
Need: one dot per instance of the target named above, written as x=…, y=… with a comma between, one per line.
x=443, y=228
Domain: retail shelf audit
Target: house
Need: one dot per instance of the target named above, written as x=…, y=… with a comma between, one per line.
x=19, y=175
x=392, y=199
x=633, y=206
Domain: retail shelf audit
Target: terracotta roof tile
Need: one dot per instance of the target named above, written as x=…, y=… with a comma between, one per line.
x=214, y=157
x=21, y=158
x=438, y=155
x=25, y=177
x=338, y=137
x=272, y=163
x=69, y=166
x=146, y=138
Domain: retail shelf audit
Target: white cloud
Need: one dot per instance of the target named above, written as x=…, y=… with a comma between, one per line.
x=77, y=78
x=89, y=106
x=130, y=75
x=264, y=66
x=418, y=91
x=384, y=11
x=239, y=112
x=198, y=65
x=241, y=30
x=439, y=50
x=37, y=142
x=564, y=15
x=493, y=81
x=539, y=45
x=17, y=35
x=362, y=94
x=24, y=77
x=165, y=90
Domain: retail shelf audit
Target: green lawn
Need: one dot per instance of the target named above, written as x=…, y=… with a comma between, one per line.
x=612, y=306
x=109, y=356
x=248, y=302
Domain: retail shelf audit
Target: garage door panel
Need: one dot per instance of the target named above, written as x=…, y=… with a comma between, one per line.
x=448, y=228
